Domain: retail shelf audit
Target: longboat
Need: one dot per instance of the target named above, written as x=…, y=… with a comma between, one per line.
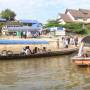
x=38, y=55
x=84, y=59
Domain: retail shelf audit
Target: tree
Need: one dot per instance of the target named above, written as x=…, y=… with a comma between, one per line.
x=1, y=25
x=52, y=23
x=8, y=15
x=76, y=28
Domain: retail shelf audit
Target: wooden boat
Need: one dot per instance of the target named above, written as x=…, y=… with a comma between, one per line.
x=81, y=61
x=83, y=57
x=38, y=55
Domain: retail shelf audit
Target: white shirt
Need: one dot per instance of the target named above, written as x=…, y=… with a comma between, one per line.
x=80, y=53
x=27, y=52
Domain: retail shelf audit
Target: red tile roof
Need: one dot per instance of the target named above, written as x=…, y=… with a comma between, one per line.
x=76, y=13
x=65, y=17
x=85, y=12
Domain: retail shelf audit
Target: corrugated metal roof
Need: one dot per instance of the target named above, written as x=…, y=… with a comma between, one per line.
x=22, y=28
x=86, y=40
x=29, y=21
x=56, y=29
x=2, y=19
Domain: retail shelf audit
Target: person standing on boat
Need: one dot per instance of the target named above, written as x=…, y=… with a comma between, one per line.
x=81, y=50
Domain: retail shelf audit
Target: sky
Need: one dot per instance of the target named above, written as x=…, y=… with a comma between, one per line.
x=42, y=10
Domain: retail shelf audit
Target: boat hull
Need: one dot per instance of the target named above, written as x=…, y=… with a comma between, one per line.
x=82, y=61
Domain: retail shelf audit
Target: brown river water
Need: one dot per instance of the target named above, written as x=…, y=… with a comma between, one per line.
x=51, y=73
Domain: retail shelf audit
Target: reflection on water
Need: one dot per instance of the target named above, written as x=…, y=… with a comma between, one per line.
x=54, y=73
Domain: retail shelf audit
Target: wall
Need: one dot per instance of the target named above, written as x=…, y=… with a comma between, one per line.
x=61, y=21
x=68, y=13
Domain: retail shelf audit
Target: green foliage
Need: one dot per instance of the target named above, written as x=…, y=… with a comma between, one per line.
x=1, y=25
x=88, y=29
x=14, y=23
x=8, y=14
x=73, y=25
x=52, y=23
x=78, y=28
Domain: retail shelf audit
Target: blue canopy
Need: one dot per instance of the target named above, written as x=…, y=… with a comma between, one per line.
x=4, y=41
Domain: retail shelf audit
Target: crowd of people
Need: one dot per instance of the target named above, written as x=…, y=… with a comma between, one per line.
x=70, y=40
x=27, y=51
x=29, y=34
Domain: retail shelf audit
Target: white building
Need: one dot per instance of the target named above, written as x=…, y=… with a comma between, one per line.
x=72, y=15
x=57, y=31
x=17, y=27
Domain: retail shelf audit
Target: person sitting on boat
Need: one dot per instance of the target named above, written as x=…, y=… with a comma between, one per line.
x=85, y=55
x=23, y=51
x=28, y=51
x=44, y=49
x=35, y=50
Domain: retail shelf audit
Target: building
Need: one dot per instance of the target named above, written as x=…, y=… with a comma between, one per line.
x=64, y=18
x=2, y=20
x=73, y=15
x=57, y=31
x=17, y=27
x=31, y=23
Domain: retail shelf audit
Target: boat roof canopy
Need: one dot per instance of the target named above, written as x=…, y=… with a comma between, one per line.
x=86, y=40
x=4, y=41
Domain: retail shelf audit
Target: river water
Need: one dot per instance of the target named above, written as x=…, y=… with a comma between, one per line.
x=51, y=73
